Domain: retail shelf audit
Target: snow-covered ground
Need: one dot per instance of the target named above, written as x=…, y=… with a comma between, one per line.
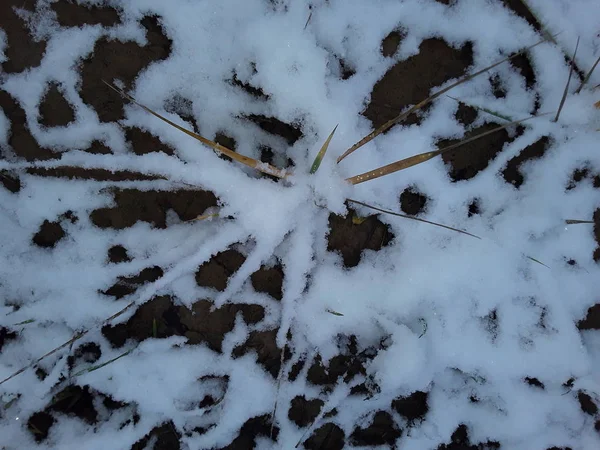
x=480, y=335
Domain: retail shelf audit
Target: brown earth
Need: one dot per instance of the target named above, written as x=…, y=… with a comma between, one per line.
x=405, y=84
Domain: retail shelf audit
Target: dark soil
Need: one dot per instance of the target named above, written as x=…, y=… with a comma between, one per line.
x=133, y=205
x=390, y=44
x=253, y=428
x=303, y=412
x=74, y=401
x=142, y=142
x=412, y=408
x=586, y=404
x=22, y=52
x=70, y=14
x=272, y=125
x=89, y=174
x=162, y=318
x=128, y=285
x=412, y=202
x=591, y=320
x=460, y=441
x=21, y=142
x=264, y=345
x=512, y=173
x=468, y=160
x=215, y=272
x=350, y=238
x=55, y=111
x=382, y=431
x=410, y=81
x=86, y=353
x=118, y=254
x=116, y=60
x=405, y=84
x=6, y=336
x=49, y=234
x=328, y=436
x=164, y=437
x=466, y=114
x=534, y=382
x=269, y=280
x=10, y=182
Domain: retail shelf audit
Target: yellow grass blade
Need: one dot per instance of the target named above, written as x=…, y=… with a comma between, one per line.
x=404, y=216
x=317, y=162
x=250, y=162
x=386, y=126
x=423, y=157
x=566, y=91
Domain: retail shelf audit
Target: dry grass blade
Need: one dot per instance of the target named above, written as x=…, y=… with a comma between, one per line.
x=588, y=76
x=386, y=126
x=204, y=217
x=250, y=162
x=68, y=343
x=385, y=211
x=423, y=157
x=51, y=352
x=574, y=221
x=317, y=162
x=566, y=91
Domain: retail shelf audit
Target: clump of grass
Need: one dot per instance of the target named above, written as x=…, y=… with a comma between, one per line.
x=281, y=173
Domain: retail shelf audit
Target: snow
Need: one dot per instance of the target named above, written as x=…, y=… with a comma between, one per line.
x=450, y=315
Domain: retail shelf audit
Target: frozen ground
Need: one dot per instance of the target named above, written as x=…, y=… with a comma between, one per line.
x=355, y=330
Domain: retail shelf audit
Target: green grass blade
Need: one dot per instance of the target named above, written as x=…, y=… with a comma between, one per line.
x=404, y=216
x=25, y=322
x=317, y=162
x=537, y=261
